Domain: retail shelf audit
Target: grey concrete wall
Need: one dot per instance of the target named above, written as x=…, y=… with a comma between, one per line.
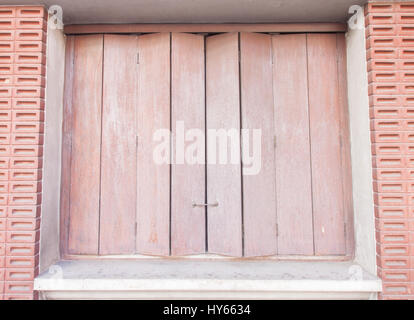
x=55, y=67
x=364, y=218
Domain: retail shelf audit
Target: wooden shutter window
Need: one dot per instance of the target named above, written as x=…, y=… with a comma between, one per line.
x=120, y=89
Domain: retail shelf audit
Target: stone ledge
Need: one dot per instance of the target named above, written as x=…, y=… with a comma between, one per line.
x=210, y=279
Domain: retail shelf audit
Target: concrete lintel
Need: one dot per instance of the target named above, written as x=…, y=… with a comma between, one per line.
x=198, y=11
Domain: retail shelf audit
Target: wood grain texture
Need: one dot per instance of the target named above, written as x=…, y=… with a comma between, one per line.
x=259, y=190
x=118, y=159
x=293, y=172
x=208, y=27
x=324, y=110
x=188, y=180
x=301, y=100
x=86, y=142
x=345, y=145
x=153, y=112
x=66, y=145
x=223, y=112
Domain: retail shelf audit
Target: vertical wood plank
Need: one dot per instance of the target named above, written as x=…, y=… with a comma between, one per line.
x=259, y=190
x=86, y=142
x=66, y=145
x=345, y=146
x=118, y=159
x=293, y=172
x=188, y=180
x=153, y=112
x=325, y=145
x=223, y=112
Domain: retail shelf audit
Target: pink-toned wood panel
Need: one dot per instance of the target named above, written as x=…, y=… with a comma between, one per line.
x=325, y=128
x=259, y=190
x=66, y=145
x=345, y=145
x=293, y=172
x=223, y=112
x=188, y=110
x=118, y=147
x=86, y=145
x=153, y=113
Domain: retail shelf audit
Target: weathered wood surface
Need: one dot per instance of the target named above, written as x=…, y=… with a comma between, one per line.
x=118, y=158
x=188, y=232
x=153, y=113
x=325, y=130
x=348, y=210
x=223, y=112
x=86, y=145
x=259, y=190
x=293, y=172
x=66, y=145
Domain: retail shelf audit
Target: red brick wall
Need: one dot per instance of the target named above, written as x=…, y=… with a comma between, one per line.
x=390, y=55
x=22, y=71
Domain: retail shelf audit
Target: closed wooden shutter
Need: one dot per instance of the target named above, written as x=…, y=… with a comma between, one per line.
x=153, y=113
x=121, y=89
x=85, y=164
x=118, y=146
x=314, y=199
x=325, y=136
x=224, y=230
x=188, y=180
x=293, y=149
x=259, y=194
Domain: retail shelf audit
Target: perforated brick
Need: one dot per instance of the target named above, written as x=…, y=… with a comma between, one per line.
x=390, y=58
x=22, y=82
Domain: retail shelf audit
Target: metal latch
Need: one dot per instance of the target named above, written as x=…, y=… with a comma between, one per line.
x=196, y=205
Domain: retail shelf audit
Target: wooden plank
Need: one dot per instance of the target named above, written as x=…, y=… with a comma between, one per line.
x=259, y=190
x=345, y=146
x=86, y=142
x=223, y=112
x=293, y=172
x=325, y=129
x=66, y=145
x=230, y=27
x=118, y=159
x=153, y=112
x=188, y=180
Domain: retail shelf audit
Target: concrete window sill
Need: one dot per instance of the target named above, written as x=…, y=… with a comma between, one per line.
x=189, y=279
